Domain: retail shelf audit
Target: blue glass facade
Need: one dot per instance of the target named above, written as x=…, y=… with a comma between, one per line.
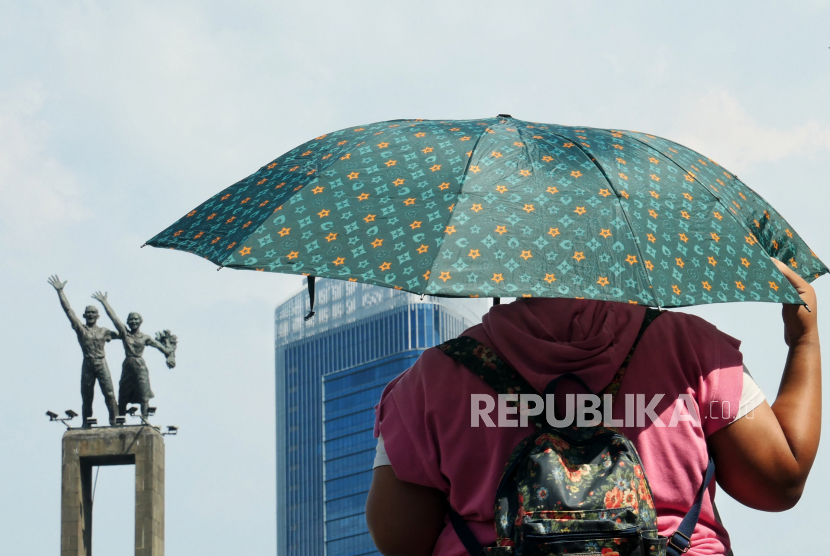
x=330, y=374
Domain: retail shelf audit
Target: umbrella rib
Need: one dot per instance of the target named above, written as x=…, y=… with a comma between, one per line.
x=460, y=189
x=676, y=163
x=701, y=184
x=716, y=196
x=318, y=170
x=625, y=213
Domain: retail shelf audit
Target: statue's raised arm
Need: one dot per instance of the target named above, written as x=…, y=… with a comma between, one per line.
x=119, y=326
x=56, y=283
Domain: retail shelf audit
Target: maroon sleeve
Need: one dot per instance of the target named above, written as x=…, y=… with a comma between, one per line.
x=403, y=419
x=721, y=375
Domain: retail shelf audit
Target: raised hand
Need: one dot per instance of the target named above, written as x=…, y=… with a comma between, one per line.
x=800, y=323
x=56, y=283
x=102, y=297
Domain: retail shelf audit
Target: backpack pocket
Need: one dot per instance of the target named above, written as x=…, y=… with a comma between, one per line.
x=610, y=532
x=556, y=522
x=623, y=542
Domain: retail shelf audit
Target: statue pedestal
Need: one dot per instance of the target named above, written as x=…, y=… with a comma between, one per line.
x=141, y=446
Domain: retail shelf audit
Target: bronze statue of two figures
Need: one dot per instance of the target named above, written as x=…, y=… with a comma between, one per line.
x=134, y=386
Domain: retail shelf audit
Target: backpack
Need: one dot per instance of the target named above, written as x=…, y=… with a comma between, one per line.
x=575, y=491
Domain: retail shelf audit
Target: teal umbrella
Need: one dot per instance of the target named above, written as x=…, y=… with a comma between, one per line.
x=503, y=207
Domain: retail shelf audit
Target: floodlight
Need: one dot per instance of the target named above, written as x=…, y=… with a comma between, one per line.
x=54, y=417
x=171, y=430
x=132, y=411
x=92, y=421
x=120, y=420
x=151, y=411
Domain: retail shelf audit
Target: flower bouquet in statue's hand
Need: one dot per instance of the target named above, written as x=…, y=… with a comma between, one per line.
x=169, y=341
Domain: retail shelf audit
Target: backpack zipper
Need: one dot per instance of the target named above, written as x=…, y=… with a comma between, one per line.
x=584, y=535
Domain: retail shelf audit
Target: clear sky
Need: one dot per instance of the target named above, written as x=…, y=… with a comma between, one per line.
x=116, y=118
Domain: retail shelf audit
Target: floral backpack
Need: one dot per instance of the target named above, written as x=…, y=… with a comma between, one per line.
x=575, y=491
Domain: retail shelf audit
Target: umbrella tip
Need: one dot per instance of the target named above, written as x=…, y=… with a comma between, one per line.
x=505, y=116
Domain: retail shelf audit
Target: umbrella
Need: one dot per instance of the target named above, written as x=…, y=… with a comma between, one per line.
x=503, y=207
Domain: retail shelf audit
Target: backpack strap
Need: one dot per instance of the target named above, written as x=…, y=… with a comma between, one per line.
x=681, y=540
x=468, y=539
x=490, y=368
x=614, y=386
x=502, y=378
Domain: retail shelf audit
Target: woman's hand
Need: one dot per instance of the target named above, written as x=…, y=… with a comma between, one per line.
x=800, y=322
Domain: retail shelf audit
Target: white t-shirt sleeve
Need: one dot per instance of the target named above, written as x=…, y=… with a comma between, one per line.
x=381, y=458
x=751, y=396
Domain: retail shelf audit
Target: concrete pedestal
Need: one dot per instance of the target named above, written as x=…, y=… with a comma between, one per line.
x=141, y=446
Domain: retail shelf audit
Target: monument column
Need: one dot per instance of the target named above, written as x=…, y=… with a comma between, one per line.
x=142, y=446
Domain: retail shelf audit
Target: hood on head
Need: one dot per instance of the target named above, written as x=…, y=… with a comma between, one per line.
x=543, y=338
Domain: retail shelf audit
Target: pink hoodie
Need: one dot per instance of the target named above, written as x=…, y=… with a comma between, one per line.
x=424, y=414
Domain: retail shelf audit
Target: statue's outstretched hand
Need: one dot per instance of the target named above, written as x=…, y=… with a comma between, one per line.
x=56, y=283
x=102, y=297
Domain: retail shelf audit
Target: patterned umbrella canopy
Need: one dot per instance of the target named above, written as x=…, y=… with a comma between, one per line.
x=503, y=207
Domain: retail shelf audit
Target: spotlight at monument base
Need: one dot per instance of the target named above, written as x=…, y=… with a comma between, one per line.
x=52, y=415
x=71, y=414
x=120, y=420
x=132, y=411
x=92, y=421
x=151, y=411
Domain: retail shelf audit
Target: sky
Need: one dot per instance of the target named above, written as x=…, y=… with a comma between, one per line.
x=117, y=118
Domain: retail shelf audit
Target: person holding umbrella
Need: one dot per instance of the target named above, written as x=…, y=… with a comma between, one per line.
x=429, y=450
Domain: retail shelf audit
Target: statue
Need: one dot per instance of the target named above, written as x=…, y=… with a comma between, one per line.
x=92, y=339
x=134, y=386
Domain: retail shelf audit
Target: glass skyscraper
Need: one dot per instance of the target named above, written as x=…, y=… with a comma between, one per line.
x=330, y=372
